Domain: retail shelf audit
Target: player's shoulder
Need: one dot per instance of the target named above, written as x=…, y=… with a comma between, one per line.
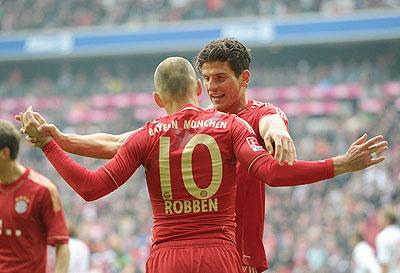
x=40, y=180
x=254, y=104
x=44, y=184
x=241, y=122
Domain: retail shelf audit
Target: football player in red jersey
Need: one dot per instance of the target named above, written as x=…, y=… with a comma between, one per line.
x=224, y=65
x=193, y=204
x=31, y=215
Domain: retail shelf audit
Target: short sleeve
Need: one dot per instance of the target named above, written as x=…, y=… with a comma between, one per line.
x=53, y=217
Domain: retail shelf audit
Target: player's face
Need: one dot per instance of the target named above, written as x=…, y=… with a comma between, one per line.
x=226, y=91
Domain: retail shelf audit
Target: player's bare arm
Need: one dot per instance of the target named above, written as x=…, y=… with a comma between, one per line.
x=62, y=258
x=99, y=145
x=277, y=139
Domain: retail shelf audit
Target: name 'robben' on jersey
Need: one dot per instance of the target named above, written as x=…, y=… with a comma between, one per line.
x=190, y=170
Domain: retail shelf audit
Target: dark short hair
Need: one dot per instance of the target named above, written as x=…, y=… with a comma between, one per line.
x=225, y=50
x=9, y=137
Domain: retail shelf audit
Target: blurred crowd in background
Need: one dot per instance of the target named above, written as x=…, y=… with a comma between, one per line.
x=308, y=228
x=34, y=14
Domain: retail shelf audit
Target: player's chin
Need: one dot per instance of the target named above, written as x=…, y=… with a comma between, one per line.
x=219, y=106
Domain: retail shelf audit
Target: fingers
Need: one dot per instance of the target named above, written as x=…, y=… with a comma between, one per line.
x=268, y=146
x=32, y=140
x=377, y=160
x=361, y=140
x=378, y=146
x=39, y=118
x=278, y=150
x=284, y=152
x=292, y=153
x=19, y=116
x=372, y=141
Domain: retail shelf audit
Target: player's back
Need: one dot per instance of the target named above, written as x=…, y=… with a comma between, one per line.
x=190, y=171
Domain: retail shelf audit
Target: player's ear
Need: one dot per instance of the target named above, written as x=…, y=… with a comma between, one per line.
x=158, y=100
x=5, y=153
x=245, y=77
x=199, y=88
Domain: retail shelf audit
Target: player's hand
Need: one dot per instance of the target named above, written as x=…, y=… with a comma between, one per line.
x=31, y=121
x=279, y=144
x=362, y=154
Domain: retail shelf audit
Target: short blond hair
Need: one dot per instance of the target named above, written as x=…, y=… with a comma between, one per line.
x=175, y=77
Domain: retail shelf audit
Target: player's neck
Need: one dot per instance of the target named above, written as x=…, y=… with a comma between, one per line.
x=10, y=172
x=175, y=106
x=238, y=106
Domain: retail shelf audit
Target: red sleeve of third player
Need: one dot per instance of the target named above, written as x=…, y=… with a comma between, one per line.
x=92, y=185
x=53, y=217
x=264, y=167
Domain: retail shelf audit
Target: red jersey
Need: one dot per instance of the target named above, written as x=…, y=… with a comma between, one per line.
x=31, y=217
x=250, y=198
x=190, y=161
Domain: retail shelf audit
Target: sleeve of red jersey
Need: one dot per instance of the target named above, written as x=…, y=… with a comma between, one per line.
x=269, y=109
x=92, y=185
x=54, y=218
x=264, y=167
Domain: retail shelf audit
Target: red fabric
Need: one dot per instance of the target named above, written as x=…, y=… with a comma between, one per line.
x=250, y=195
x=250, y=198
x=31, y=217
x=195, y=256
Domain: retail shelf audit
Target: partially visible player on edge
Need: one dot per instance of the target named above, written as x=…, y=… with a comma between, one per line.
x=224, y=65
x=79, y=261
x=363, y=256
x=193, y=204
x=31, y=215
x=387, y=241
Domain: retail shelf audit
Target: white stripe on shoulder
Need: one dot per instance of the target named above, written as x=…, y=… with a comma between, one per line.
x=108, y=172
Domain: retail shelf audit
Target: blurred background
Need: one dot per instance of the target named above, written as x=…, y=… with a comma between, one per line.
x=332, y=65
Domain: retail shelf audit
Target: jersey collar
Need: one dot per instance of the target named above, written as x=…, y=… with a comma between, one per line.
x=15, y=184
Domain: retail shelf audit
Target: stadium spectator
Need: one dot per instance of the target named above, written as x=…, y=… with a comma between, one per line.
x=31, y=215
x=388, y=242
x=38, y=14
x=79, y=261
x=363, y=256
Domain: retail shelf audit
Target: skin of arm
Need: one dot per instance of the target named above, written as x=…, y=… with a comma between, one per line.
x=274, y=132
x=100, y=145
x=62, y=258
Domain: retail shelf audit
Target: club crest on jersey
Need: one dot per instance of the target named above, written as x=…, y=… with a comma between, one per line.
x=254, y=145
x=21, y=204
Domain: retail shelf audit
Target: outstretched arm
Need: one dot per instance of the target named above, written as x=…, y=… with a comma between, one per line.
x=361, y=154
x=99, y=145
x=91, y=185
